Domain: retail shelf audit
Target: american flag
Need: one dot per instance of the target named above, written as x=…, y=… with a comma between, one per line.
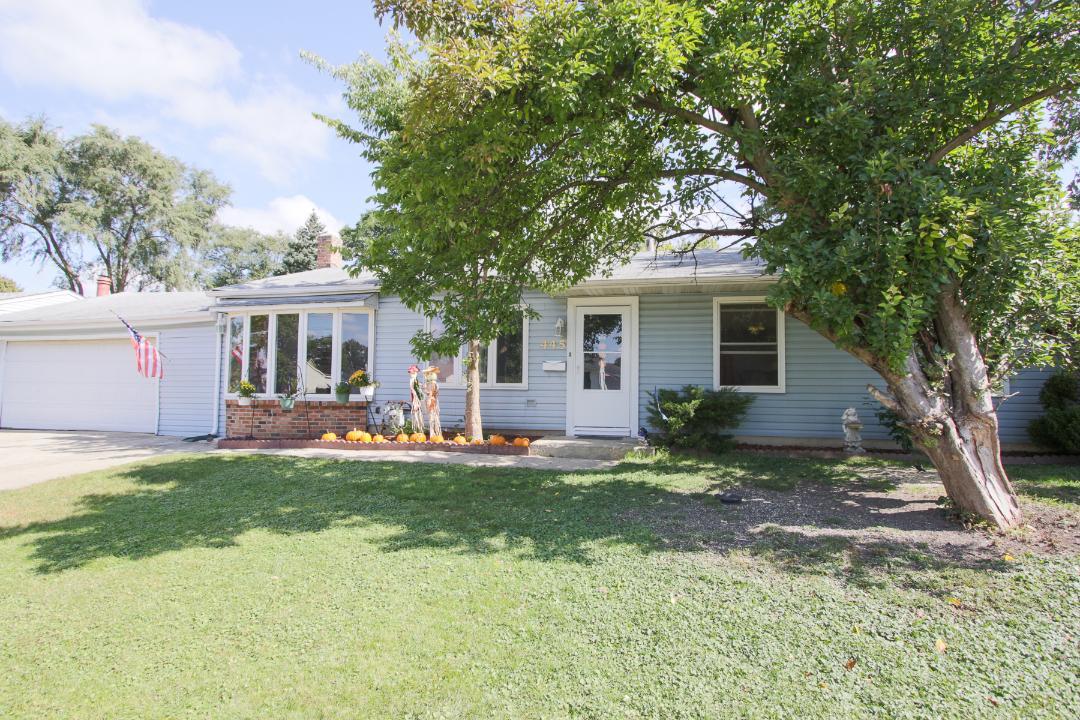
x=147, y=358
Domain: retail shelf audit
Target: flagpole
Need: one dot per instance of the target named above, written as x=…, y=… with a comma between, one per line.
x=131, y=328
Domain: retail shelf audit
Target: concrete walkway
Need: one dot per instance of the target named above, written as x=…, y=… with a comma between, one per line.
x=33, y=456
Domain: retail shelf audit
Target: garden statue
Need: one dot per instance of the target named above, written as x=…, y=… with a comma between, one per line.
x=394, y=417
x=416, y=399
x=852, y=436
x=431, y=380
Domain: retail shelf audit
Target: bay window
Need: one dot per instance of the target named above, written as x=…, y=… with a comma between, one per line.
x=748, y=345
x=502, y=362
x=281, y=352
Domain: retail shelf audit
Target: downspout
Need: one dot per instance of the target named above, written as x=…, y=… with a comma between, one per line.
x=218, y=352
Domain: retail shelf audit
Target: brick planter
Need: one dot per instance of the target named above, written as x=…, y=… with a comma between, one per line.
x=265, y=420
x=292, y=444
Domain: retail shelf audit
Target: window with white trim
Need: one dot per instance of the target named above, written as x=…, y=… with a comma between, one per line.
x=748, y=345
x=503, y=362
x=275, y=350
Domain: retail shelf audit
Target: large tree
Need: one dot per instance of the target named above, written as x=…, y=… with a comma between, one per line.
x=103, y=203
x=893, y=163
x=302, y=251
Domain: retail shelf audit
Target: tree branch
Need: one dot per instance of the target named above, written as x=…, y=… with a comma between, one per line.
x=720, y=173
x=688, y=115
x=992, y=119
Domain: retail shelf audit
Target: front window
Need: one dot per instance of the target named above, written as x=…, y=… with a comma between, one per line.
x=319, y=373
x=749, y=344
x=502, y=362
x=277, y=352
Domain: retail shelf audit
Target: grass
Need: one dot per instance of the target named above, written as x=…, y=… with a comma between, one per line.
x=254, y=586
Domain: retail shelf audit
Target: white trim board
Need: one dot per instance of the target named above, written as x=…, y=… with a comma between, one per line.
x=572, y=304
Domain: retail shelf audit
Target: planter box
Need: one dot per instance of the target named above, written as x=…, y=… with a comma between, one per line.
x=265, y=419
x=296, y=444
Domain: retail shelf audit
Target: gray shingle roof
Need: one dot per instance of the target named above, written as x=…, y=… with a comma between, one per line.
x=132, y=306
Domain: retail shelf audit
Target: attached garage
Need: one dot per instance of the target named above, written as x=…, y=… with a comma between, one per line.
x=76, y=385
x=72, y=366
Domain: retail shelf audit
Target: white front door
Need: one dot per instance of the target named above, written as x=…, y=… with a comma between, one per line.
x=602, y=377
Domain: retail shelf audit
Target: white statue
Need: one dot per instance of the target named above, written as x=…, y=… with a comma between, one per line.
x=852, y=436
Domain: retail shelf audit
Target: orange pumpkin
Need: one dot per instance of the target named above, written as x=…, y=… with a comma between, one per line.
x=436, y=439
x=402, y=437
x=498, y=440
x=418, y=437
x=364, y=437
x=328, y=436
x=477, y=441
x=521, y=442
x=379, y=439
x=353, y=435
x=459, y=440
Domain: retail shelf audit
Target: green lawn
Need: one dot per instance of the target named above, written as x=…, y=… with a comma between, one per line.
x=274, y=587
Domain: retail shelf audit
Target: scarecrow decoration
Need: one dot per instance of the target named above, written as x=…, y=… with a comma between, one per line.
x=416, y=399
x=431, y=380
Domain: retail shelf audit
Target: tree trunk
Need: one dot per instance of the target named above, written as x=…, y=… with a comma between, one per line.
x=958, y=428
x=474, y=428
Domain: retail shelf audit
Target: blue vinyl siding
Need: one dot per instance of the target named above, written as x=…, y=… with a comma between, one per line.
x=542, y=406
x=676, y=349
x=186, y=396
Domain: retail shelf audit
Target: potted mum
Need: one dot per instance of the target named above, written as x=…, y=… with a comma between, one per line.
x=364, y=384
x=246, y=391
x=342, y=391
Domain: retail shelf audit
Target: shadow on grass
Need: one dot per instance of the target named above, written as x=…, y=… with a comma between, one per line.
x=208, y=502
x=1059, y=483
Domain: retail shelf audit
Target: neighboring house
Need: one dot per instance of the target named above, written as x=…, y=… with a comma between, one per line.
x=19, y=301
x=72, y=366
x=585, y=366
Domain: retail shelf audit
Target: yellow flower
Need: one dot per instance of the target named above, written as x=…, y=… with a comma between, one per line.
x=838, y=289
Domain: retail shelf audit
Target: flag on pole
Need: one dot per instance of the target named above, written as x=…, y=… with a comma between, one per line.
x=147, y=358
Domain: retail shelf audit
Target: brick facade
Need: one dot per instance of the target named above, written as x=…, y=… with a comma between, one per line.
x=265, y=420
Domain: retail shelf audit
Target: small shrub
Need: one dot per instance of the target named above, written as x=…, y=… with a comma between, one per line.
x=694, y=417
x=1059, y=427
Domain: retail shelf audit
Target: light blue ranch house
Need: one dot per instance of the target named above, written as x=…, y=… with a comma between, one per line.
x=586, y=365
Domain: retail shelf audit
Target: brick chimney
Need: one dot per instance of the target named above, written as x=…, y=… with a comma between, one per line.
x=328, y=252
x=104, y=285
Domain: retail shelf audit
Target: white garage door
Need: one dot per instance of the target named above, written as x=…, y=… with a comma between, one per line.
x=76, y=385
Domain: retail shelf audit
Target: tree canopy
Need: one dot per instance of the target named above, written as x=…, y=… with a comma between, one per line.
x=894, y=163
x=239, y=254
x=103, y=203
x=7, y=285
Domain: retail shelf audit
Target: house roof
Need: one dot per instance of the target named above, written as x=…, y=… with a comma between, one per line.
x=146, y=309
x=648, y=267
x=17, y=301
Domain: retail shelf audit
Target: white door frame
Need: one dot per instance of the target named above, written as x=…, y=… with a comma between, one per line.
x=572, y=304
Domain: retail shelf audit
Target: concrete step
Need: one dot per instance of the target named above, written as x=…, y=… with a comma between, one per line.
x=581, y=448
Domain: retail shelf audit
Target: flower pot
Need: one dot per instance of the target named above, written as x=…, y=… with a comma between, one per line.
x=342, y=398
x=243, y=401
x=287, y=403
x=366, y=393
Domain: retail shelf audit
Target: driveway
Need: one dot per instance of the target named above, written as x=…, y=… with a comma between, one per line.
x=33, y=456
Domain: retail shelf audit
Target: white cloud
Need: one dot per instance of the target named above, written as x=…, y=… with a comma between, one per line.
x=115, y=50
x=283, y=214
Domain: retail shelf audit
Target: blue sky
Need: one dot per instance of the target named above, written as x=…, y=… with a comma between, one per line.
x=219, y=85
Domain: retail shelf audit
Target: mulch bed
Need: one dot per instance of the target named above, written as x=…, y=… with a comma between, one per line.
x=243, y=444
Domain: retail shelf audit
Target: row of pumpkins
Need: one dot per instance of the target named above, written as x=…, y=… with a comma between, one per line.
x=355, y=435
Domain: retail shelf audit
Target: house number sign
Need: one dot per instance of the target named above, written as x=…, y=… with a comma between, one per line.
x=553, y=344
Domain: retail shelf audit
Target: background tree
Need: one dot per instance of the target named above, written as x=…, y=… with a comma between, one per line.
x=103, y=203
x=36, y=190
x=891, y=161
x=7, y=285
x=237, y=255
x=302, y=251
